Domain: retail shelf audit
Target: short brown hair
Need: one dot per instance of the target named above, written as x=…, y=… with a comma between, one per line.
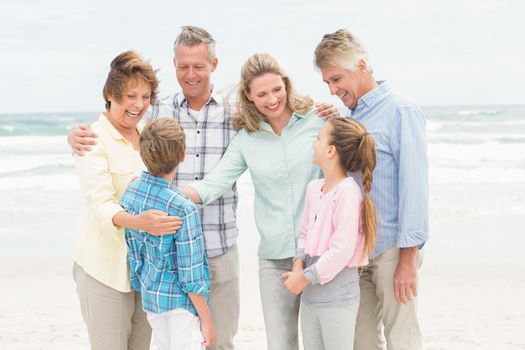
x=162, y=146
x=126, y=68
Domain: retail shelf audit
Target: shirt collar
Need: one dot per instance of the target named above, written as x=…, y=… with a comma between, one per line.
x=114, y=132
x=181, y=100
x=371, y=97
x=295, y=116
x=154, y=180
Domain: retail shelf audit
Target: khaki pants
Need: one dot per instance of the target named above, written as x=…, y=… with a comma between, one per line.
x=114, y=320
x=224, y=297
x=379, y=311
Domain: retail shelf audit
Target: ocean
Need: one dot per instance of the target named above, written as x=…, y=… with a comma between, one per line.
x=476, y=158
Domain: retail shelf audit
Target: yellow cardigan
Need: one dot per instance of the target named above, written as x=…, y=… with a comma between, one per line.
x=104, y=173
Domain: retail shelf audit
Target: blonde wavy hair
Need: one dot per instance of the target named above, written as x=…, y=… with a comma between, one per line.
x=248, y=116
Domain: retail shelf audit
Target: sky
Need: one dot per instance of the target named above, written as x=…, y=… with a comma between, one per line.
x=55, y=55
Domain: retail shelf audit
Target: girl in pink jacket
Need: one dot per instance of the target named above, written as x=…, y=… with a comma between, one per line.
x=337, y=233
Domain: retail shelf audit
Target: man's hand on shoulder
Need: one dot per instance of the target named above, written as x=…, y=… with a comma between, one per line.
x=326, y=110
x=81, y=138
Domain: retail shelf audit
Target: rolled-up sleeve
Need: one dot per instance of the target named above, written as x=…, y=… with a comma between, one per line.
x=96, y=185
x=410, y=152
x=231, y=166
x=192, y=265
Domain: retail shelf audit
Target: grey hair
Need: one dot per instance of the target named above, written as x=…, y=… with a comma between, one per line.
x=193, y=36
x=341, y=48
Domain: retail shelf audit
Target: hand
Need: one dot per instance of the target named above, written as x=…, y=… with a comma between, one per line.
x=208, y=333
x=191, y=194
x=326, y=110
x=294, y=281
x=157, y=222
x=81, y=138
x=405, y=276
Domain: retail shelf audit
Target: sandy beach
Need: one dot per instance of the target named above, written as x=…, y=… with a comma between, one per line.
x=471, y=287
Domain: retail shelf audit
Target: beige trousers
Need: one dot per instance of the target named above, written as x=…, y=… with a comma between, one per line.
x=380, y=317
x=224, y=297
x=114, y=320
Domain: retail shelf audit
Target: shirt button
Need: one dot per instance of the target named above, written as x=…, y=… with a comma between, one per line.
x=196, y=178
x=196, y=155
x=198, y=131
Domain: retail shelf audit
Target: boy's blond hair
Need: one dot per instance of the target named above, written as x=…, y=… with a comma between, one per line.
x=162, y=146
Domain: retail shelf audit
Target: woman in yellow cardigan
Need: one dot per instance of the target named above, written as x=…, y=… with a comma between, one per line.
x=111, y=310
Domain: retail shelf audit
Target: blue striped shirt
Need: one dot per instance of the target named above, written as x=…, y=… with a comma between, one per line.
x=166, y=268
x=400, y=179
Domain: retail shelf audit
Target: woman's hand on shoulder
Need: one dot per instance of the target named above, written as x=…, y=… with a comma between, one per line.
x=155, y=222
x=158, y=223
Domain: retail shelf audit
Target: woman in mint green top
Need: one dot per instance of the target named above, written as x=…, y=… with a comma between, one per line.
x=278, y=128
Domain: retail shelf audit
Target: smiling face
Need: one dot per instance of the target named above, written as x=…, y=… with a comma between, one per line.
x=134, y=102
x=193, y=68
x=348, y=85
x=268, y=93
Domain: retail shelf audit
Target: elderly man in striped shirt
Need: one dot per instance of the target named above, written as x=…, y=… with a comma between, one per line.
x=388, y=284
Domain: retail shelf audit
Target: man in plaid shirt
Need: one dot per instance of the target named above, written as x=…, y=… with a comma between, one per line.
x=205, y=118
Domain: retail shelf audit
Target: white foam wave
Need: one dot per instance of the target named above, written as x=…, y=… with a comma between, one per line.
x=8, y=128
x=17, y=164
x=41, y=182
x=476, y=154
x=478, y=175
x=34, y=145
x=478, y=111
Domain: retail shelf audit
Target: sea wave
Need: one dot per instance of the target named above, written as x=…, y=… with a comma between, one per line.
x=41, y=182
x=468, y=112
x=48, y=169
x=456, y=155
x=15, y=164
x=476, y=175
x=33, y=145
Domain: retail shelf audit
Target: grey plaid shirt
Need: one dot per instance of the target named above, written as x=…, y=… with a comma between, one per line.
x=207, y=137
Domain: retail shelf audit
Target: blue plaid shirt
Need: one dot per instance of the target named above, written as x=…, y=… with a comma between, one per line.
x=166, y=268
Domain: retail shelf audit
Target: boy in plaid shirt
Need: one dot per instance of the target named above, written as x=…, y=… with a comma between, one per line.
x=170, y=271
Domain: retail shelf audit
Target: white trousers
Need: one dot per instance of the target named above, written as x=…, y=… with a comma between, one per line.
x=177, y=329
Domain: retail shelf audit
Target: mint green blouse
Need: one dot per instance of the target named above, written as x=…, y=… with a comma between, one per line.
x=280, y=167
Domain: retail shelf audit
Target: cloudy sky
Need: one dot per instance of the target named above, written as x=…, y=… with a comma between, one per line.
x=55, y=54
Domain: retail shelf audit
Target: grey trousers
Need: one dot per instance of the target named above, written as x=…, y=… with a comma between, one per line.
x=380, y=312
x=328, y=328
x=224, y=297
x=280, y=307
x=114, y=320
